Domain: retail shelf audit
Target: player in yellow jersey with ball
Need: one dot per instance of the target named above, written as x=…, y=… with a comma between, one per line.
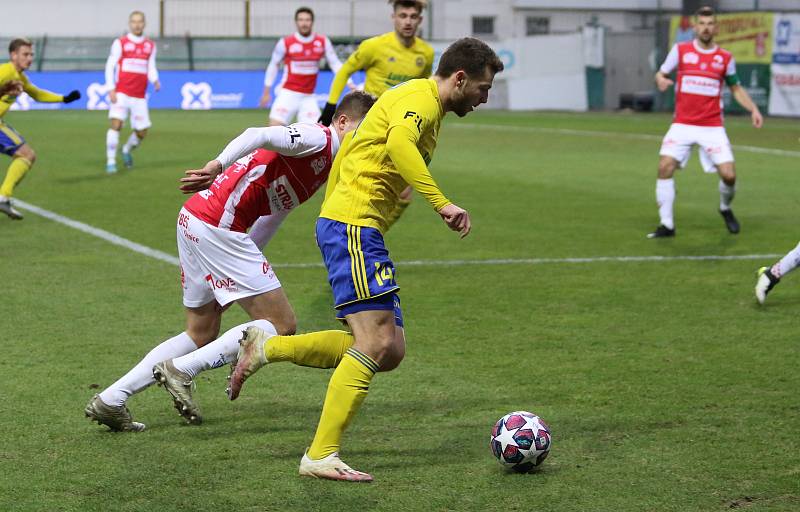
x=390, y=149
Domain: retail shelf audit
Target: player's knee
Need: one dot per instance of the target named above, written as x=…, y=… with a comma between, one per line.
x=393, y=357
x=203, y=336
x=27, y=153
x=666, y=169
x=141, y=134
x=287, y=326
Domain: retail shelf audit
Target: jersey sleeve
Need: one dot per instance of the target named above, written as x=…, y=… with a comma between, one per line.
x=152, y=71
x=359, y=59
x=671, y=62
x=111, y=63
x=409, y=118
x=41, y=95
x=297, y=140
x=731, y=78
x=333, y=175
x=278, y=53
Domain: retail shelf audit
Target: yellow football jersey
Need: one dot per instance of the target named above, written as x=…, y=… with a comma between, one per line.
x=387, y=63
x=8, y=73
x=365, y=182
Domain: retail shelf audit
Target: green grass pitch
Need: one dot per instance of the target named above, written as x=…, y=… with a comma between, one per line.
x=666, y=386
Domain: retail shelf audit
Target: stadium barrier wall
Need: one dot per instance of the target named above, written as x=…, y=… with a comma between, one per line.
x=186, y=90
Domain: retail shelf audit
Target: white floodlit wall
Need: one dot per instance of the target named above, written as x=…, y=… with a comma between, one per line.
x=85, y=18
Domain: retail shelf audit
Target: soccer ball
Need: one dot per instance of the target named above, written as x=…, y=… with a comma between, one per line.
x=520, y=440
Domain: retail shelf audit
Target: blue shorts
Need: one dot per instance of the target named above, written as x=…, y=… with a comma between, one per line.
x=360, y=272
x=10, y=140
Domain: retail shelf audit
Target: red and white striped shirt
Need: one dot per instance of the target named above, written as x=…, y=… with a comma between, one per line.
x=301, y=56
x=698, y=86
x=131, y=63
x=294, y=165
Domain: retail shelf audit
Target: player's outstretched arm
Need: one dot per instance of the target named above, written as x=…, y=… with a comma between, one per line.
x=743, y=98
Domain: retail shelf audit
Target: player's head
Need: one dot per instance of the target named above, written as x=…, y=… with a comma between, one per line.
x=407, y=15
x=136, y=23
x=20, y=52
x=705, y=24
x=467, y=67
x=304, y=20
x=351, y=110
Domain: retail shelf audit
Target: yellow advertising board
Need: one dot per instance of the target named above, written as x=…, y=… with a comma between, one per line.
x=747, y=35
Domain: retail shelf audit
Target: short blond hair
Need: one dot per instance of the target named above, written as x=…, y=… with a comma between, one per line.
x=420, y=5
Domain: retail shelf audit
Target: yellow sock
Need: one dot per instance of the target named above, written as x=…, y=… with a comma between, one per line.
x=322, y=349
x=16, y=171
x=347, y=389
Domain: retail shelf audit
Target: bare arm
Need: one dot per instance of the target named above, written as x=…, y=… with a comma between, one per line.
x=743, y=99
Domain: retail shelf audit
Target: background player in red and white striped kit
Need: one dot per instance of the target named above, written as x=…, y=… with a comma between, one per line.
x=267, y=173
x=131, y=64
x=703, y=69
x=300, y=53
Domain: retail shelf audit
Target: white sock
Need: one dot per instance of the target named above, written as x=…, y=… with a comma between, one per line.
x=219, y=352
x=788, y=263
x=665, y=198
x=133, y=143
x=726, y=193
x=141, y=375
x=112, y=141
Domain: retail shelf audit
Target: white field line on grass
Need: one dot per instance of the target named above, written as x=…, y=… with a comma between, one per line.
x=620, y=135
x=168, y=258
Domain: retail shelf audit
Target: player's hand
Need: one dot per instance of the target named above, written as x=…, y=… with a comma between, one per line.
x=200, y=179
x=265, y=100
x=72, y=96
x=456, y=219
x=757, y=118
x=663, y=83
x=327, y=114
x=157, y=85
x=12, y=88
x=112, y=95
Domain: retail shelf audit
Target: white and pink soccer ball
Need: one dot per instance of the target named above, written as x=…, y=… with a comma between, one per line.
x=520, y=440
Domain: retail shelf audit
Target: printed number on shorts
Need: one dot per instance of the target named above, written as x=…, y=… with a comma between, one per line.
x=383, y=274
x=183, y=220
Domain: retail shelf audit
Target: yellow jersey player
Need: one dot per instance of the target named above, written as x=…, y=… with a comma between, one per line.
x=391, y=148
x=13, y=82
x=388, y=59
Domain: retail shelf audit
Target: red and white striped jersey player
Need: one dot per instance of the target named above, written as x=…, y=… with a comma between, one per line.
x=253, y=184
x=703, y=68
x=130, y=65
x=300, y=53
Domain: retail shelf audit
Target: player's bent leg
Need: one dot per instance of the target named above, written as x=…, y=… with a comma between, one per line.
x=665, y=197
x=109, y=407
x=727, y=191
x=273, y=306
x=202, y=325
x=22, y=161
x=375, y=344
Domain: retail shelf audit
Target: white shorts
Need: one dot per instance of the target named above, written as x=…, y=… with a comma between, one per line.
x=140, y=115
x=288, y=103
x=714, y=146
x=221, y=265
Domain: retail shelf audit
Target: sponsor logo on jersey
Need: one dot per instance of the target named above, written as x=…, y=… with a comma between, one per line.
x=700, y=85
x=318, y=165
x=691, y=58
x=129, y=47
x=196, y=96
x=281, y=195
x=420, y=62
x=295, y=48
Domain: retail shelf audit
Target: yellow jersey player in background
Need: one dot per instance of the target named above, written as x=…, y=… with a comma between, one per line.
x=388, y=60
x=13, y=82
x=390, y=149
